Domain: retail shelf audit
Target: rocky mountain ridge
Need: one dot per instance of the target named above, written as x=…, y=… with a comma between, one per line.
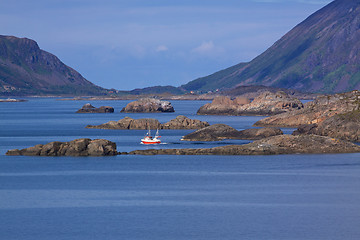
x=25, y=69
x=321, y=54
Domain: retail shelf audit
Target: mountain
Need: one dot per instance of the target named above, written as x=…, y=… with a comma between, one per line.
x=25, y=69
x=321, y=54
x=156, y=90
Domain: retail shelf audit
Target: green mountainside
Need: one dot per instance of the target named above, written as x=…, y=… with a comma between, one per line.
x=321, y=54
x=25, y=69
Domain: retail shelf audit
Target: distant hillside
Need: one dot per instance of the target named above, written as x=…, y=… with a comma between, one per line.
x=321, y=54
x=156, y=90
x=25, y=69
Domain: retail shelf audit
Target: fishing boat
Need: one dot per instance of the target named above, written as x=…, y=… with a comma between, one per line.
x=148, y=139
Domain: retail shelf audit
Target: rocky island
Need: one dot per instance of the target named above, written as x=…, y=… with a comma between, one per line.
x=88, y=108
x=282, y=144
x=78, y=147
x=180, y=122
x=148, y=105
x=218, y=132
x=342, y=126
x=322, y=108
x=267, y=103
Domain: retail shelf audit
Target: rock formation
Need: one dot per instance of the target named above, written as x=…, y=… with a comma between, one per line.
x=342, y=126
x=222, y=105
x=322, y=108
x=180, y=122
x=25, y=69
x=266, y=104
x=318, y=55
x=130, y=123
x=78, y=147
x=218, y=132
x=258, y=133
x=214, y=132
x=147, y=105
x=88, y=108
x=282, y=144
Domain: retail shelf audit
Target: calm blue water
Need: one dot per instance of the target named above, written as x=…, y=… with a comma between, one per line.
x=165, y=197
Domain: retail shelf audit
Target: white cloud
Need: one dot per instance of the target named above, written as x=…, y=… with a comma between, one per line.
x=162, y=48
x=205, y=47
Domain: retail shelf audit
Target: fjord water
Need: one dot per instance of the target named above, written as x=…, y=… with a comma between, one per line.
x=165, y=197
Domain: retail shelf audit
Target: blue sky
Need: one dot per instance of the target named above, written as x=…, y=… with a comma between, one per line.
x=127, y=44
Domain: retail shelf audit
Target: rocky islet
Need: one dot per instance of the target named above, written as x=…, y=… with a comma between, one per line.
x=267, y=103
x=78, y=147
x=148, y=105
x=180, y=122
x=322, y=108
x=88, y=108
x=282, y=144
x=218, y=132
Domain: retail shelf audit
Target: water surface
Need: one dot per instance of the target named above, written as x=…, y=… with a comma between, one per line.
x=165, y=197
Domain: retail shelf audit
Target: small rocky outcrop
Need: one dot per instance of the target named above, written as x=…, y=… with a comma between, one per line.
x=129, y=123
x=267, y=103
x=78, y=147
x=218, y=132
x=148, y=105
x=282, y=144
x=214, y=132
x=342, y=126
x=322, y=108
x=182, y=122
x=88, y=108
x=223, y=105
x=258, y=133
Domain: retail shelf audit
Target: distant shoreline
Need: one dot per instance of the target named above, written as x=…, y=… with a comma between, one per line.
x=13, y=100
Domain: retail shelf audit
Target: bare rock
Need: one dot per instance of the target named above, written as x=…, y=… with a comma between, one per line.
x=221, y=105
x=342, y=126
x=267, y=103
x=129, y=123
x=317, y=111
x=258, y=133
x=214, y=132
x=147, y=105
x=182, y=122
x=282, y=144
x=239, y=101
x=218, y=132
x=88, y=108
x=145, y=123
x=78, y=147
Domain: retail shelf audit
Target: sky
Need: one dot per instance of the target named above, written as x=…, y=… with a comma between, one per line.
x=128, y=44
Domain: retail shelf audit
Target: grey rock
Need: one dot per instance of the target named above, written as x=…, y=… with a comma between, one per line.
x=267, y=103
x=88, y=108
x=342, y=126
x=282, y=144
x=180, y=122
x=219, y=132
x=315, y=112
x=78, y=147
x=147, y=105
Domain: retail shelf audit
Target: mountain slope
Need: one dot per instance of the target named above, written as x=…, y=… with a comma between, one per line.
x=25, y=69
x=321, y=54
